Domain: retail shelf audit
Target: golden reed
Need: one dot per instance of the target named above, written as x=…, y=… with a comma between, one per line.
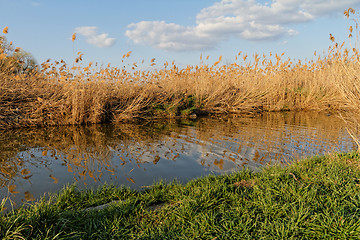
x=56, y=93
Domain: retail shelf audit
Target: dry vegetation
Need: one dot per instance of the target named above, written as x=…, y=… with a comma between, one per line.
x=56, y=93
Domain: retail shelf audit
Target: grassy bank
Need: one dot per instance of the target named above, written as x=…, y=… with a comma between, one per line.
x=57, y=93
x=315, y=198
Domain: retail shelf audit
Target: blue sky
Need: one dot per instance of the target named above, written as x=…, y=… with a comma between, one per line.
x=177, y=30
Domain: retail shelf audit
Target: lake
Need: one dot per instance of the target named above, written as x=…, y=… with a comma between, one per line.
x=37, y=161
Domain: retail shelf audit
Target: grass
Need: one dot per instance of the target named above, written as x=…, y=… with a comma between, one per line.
x=315, y=198
x=56, y=93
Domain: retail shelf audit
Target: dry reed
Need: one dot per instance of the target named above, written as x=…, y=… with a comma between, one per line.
x=56, y=93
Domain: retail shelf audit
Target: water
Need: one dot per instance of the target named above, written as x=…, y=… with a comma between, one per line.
x=36, y=161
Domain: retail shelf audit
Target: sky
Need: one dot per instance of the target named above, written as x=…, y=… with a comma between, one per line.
x=179, y=30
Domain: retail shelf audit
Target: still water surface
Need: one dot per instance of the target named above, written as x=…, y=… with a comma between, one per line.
x=36, y=161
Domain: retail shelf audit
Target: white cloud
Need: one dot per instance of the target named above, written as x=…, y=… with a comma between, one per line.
x=92, y=37
x=247, y=19
x=169, y=36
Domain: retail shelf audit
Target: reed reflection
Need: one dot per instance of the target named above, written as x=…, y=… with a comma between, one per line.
x=34, y=161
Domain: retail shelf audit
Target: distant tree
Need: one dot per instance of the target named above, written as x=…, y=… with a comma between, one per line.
x=14, y=60
x=25, y=60
x=5, y=47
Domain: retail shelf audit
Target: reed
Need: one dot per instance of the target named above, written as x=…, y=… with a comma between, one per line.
x=56, y=93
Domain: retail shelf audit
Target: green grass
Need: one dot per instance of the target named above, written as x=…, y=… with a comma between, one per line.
x=315, y=198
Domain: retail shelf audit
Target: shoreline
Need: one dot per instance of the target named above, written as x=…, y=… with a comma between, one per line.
x=195, y=115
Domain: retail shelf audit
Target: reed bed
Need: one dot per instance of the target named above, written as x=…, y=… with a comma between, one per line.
x=56, y=93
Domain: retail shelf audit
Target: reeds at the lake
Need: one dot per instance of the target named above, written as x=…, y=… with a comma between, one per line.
x=56, y=93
